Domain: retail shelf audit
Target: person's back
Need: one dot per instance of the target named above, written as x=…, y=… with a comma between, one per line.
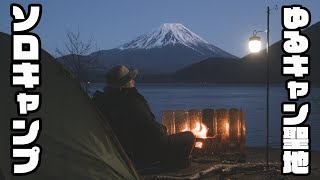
x=142, y=137
x=132, y=121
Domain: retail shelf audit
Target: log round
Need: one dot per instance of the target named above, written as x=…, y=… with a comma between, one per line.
x=168, y=120
x=243, y=132
x=209, y=121
x=223, y=126
x=182, y=122
x=235, y=130
x=195, y=117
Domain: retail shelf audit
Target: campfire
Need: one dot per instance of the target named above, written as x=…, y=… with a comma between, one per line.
x=217, y=131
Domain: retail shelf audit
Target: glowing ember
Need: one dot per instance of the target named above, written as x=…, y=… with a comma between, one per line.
x=198, y=145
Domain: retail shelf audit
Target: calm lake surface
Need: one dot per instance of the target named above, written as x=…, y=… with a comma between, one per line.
x=252, y=98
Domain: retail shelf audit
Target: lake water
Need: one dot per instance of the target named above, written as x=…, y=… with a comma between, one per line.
x=252, y=98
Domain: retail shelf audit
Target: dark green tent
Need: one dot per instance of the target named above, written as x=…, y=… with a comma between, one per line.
x=77, y=143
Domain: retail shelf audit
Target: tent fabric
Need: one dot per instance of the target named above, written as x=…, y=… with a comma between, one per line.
x=76, y=141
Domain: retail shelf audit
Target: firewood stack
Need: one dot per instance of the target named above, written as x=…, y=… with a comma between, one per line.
x=217, y=131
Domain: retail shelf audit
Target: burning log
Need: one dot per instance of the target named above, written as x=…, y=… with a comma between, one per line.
x=223, y=124
x=207, y=146
x=209, y=121
x=217, y=132
x=195, y=117
x=182, y=122
x=168, y=119
x=196, y=126
x=223, y=128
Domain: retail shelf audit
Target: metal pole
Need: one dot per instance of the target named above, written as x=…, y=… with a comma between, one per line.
x=268, y=34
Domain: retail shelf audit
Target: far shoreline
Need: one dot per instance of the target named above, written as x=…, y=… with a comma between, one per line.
x=205, y=84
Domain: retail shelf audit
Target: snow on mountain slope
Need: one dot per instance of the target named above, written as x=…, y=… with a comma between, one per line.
x=175, y=34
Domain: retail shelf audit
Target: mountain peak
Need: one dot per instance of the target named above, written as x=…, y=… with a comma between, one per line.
x=173, y=27
x=172, y=34
x=165, y=34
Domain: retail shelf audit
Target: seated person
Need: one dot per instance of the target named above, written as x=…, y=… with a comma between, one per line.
x=142, y=137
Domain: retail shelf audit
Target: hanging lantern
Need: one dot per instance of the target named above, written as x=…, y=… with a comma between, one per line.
x=254, y=43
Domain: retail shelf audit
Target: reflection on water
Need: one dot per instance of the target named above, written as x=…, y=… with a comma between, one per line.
x=252, y=98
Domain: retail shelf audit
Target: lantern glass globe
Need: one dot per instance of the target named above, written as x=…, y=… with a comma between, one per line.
x=255, y=44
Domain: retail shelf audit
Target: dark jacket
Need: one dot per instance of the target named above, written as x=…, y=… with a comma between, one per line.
x=132, y=121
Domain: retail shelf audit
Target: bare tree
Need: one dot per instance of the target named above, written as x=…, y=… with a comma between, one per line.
x=74, y=56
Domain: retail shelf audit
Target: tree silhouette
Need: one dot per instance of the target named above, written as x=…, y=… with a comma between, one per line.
x=75, y=56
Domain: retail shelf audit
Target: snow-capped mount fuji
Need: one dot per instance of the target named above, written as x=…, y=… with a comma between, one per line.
x=175, y=34
x=166, y=49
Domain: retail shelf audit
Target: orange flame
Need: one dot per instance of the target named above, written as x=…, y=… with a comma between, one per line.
x=200, y=131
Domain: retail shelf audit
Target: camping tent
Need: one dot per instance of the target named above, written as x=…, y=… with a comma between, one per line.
x=76, y=141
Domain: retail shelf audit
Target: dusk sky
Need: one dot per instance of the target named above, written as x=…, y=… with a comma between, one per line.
x=224, y=23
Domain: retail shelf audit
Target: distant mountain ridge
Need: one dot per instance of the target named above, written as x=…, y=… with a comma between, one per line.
x=175, y=34
x=252, y=68
x=166, y=49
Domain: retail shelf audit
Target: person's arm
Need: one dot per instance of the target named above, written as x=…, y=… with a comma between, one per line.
x=146, y=119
